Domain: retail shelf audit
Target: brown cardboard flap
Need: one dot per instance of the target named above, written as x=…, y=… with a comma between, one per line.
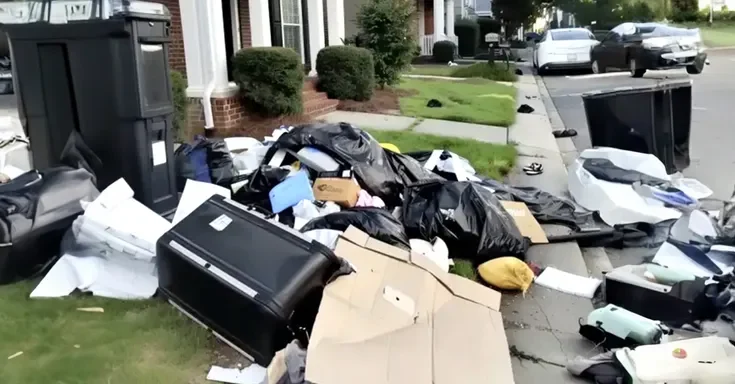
x=396, y=322
x=525, y=221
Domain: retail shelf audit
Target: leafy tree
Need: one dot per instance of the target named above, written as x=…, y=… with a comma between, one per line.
x=515, y=13
x=386, y=29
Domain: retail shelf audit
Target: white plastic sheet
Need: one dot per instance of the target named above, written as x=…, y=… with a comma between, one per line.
x=109, y=251
x=618, y=203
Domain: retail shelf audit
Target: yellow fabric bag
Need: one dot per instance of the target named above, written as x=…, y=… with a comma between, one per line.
x=390, y=147
x=507, y=273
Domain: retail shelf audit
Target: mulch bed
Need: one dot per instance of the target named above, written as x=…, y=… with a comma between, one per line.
x=383, y=100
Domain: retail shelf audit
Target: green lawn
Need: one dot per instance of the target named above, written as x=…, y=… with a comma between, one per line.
x=481, y=70
x=141, y=342
x=492, y=160
x=717, y=35
x=472, y=101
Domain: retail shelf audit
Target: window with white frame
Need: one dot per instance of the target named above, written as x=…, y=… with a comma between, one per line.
x=293, y=26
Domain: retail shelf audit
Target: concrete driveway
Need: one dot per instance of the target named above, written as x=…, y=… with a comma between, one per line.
x=712, y=144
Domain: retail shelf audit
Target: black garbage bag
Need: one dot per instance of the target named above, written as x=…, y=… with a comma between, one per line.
x=260, y=182
x=376, y=222
x=204, y=160
x=546, y=208
x=604, y=169
x=466, y=216
x=374, y=168
x=78, y=155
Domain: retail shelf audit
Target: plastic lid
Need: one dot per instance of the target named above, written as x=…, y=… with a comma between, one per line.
x=65, y=11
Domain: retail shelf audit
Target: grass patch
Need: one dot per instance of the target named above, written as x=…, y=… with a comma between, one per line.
x=717, y=35
x=141, y=342
x=491, y=160
x=463, y=268
x=477, y=101
x=479, y=70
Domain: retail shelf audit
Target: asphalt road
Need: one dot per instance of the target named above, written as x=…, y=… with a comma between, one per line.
x=712, y=142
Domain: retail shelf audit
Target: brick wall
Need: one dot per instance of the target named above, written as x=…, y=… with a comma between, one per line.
x=176, y=57
x=245, y=34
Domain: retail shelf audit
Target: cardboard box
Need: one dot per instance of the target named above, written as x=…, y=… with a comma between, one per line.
x=400, y=319
x=341, y=191
x=525, y=221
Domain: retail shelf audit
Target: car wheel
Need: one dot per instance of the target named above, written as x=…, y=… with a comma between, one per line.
x=694, y=69
x=597, y=68
x=634, y=70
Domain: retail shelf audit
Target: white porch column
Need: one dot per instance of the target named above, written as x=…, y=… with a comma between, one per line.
x=204, y=48
x=438, y=20
x=450, y=17
x=422, y=20
x=336, y=20
x=316, y=30
x=260, y=23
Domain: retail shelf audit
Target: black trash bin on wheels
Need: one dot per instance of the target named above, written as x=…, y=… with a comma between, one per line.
x=653, y=119
x=100, y=69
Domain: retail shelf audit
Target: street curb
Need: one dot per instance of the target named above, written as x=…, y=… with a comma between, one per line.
x=730, y=48
x=596, y=259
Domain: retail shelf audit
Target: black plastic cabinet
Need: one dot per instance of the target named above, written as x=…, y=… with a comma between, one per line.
x=655, y=119
x=109, y=80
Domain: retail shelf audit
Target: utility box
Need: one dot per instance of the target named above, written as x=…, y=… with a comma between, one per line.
x=100, y=68
x=651, y=119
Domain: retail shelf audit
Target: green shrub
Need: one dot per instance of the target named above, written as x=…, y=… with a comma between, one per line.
x=444, y=51
x=387, y=26
x=468, y=34
x=271, y=79
x=496, y=72
x=346, y=73
x=684, y=10
x=639, y=11
x=180, y=101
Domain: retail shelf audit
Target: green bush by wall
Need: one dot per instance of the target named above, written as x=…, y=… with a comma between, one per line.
x=271, y=80
x=468, y=34
x=444, y=51
x=346, y=72
x=178, y=88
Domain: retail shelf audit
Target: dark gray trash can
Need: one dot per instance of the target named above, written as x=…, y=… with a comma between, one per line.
x=100, y=69
x=652, y=119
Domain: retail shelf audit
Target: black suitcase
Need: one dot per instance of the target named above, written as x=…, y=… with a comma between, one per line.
x=252, y=281
x=36, y=209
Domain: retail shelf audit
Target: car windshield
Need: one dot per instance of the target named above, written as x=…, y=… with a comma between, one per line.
x=571, y=35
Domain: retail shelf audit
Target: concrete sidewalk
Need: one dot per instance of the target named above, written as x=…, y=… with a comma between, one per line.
x=486, y=133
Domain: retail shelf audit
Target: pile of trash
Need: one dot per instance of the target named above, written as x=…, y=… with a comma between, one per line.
x=670, y=318
x=322, y=242
x=317, y=241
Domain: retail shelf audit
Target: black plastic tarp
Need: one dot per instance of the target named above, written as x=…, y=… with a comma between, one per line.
x=466, y=216
x=381, y=173
x=546, y=208
x=376, y=222
x=604, y=169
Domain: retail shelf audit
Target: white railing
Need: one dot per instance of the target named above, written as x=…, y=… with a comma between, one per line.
x=427, y=43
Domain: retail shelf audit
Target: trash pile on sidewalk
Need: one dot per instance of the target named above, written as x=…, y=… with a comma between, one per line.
x=325, y=255
x=671, y=319
x=318, y=253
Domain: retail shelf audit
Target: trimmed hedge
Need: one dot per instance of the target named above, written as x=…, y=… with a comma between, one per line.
x=271, y=80
x=444, y=51
x=468, y=34
x=178, y=88
x=346, y=72
x=496, y=72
